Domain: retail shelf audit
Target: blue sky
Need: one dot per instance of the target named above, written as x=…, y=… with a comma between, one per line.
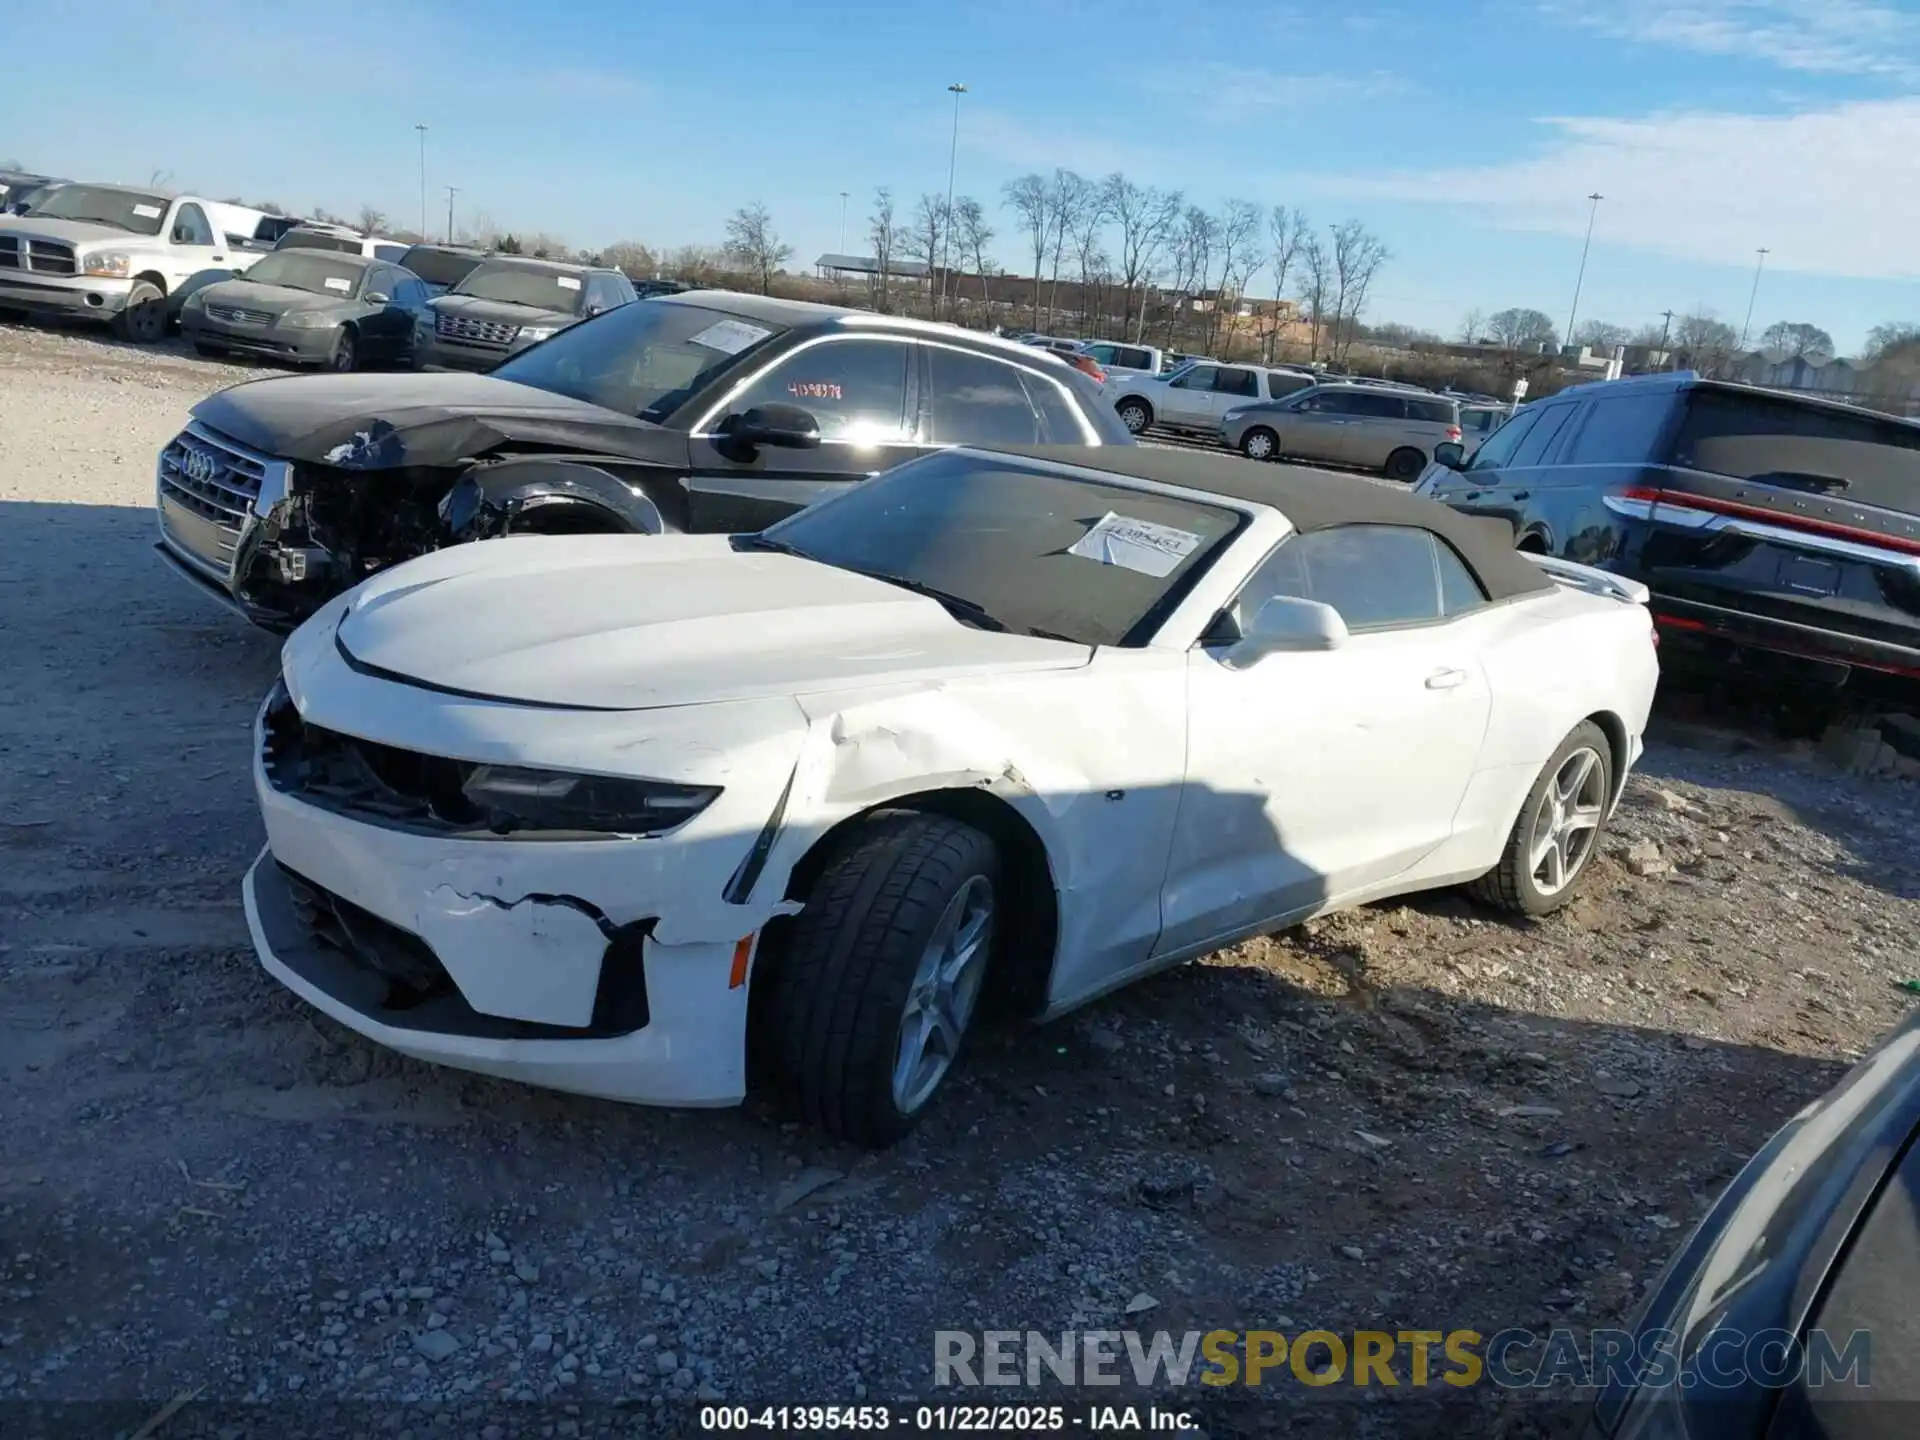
x=1466, y=134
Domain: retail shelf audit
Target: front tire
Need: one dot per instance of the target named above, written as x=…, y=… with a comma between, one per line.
x=1558, y=831
x=144, y=320
x=1260, y=443
x=345, y=358
x=1135, y=414
x=880, y=975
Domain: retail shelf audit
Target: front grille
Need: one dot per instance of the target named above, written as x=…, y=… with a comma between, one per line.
x=398, y=955
x=474, y=332
x=363, y=779
x=208, y=485
x=234, y=315
x=41, y=257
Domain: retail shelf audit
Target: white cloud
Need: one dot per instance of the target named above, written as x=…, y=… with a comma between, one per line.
x=1832, y=192
x=1220, y=91
x=1826, y=37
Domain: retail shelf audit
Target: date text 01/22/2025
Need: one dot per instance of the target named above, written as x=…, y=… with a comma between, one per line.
x=942, y=1419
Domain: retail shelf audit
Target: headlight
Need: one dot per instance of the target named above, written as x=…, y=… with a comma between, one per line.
x=113, y=264
x=307, y=320
x=531, y=333
x=1231, y=416
x=522, y=799
x=195, y=301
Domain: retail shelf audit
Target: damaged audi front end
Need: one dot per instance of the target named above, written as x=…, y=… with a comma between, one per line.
x=281, y=494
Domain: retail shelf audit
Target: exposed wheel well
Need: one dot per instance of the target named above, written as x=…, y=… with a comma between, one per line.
x=1533, y=543
x=158, y=281
x=1023, y=955
x=567, y=518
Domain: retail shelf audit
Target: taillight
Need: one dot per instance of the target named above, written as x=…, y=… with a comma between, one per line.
x=1705, y=505
x=1095, y=371
x=1453, y=433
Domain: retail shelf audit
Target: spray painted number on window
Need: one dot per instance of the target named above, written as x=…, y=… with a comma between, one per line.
x=814, y=390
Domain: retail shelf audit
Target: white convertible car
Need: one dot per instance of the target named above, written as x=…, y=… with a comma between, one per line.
x=604, y=813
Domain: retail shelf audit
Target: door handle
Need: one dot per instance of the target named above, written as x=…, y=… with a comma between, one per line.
x=1523, y=494
x=1473, y=495
x=1446, y=679
x=219, y=257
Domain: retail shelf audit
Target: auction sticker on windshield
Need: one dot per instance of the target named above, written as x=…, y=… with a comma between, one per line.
x=729, y=337
x=566, y=282
x=334, y=282
x=147, y=212
x=1140, y=545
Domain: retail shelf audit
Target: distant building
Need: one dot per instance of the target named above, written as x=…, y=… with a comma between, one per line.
x=866, y=267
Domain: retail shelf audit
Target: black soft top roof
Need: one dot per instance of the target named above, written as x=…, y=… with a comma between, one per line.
x=1315, y=500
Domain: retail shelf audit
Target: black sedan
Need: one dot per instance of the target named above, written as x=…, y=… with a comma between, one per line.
x=708, y=412
x=310, y=307
x=1794, y=1301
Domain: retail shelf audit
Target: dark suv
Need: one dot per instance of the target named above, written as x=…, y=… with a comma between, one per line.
x=508, y=302
x=1777, y=532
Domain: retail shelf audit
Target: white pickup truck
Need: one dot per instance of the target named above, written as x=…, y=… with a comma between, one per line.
x=117, y=253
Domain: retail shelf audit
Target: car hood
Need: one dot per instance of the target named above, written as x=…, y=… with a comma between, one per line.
x=500, y=312
x=271, y=299
x=74, y=232
x=381, y=422
x=628, y=622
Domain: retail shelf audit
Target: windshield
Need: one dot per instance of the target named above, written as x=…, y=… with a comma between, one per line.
x=306, y=270
x=1021, y=546
x=122, y=209
x=646, y=358
x=439, y=267
x=523, y=285
x=318, y=240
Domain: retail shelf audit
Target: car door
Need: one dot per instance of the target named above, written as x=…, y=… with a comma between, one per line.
x=1314, y=427
x=1378, y=427
x=389, y=324
x=1234, y=386
x=1189, y=399
x=970, y=398
x=1512, y=496
x=862, y=390
x=192, y=244
x=1473, y=488
x=1317, y=775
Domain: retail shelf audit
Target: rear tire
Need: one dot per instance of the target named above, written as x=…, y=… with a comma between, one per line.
x=1405, y=465
x=144, y=320
x=1558, y=830
x=1260, y=443
x=879, y=976
x=1135, y=414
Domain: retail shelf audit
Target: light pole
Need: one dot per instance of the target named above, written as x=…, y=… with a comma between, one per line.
x=1592, y=211
x=423, y=179
x=843, y=222
x=953, y=154
x=451, y=192
x=1753, y=294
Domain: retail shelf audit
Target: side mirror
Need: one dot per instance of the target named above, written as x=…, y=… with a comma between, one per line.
x=379, y=298
x=1285, y=623
x=786, y=427
x=1451, y=454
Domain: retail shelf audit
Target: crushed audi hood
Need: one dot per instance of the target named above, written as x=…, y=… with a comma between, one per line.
x=631, y=622
x=382, y=422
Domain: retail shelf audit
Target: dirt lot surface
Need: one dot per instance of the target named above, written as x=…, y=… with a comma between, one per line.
x=1409, y=1117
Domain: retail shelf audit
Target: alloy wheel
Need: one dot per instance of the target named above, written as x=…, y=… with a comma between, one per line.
x=941, y=997
x=1567, y=823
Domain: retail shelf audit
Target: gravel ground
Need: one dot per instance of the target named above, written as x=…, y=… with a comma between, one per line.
x=1407, y=1117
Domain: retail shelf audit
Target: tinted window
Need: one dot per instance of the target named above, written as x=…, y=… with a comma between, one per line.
x=1200, y=377
x=1234, y=381
x=977, y=401
x=1330, y=402
x=1130, y=358
x=1619, y=428
x=1059, y=418
x=389, y=252
x=1503, y=442
x=439, y=267
x=190, y=226
x=1535, y=444
x=1283, y=382
x=318, y=240
x=530, y=285
x=856, y=389
x=1434, y=412
x=1380, y=407
x=1459, y=590
x=1000, y=535
x=1374, y=575
x=1751, y=435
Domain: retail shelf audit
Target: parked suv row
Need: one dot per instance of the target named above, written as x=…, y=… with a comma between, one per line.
x=1778, y=532
x=1197, y=397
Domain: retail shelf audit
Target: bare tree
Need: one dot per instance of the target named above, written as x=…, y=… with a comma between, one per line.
x=1091, y=256
x=1358, y=255
x=695, y=264
x=1317, y=282
x=1882, y=338
x=1599, y=336
x=1146, y=216
x=1235, y=235
x=1518, y=329
x=884, y=231
x=972, y=232
x=753, y=243
x=1798, y=341
x=373, y=220
x=1191, y=254
x=1068, y=195
x=1286, y=232
x=923, y=240
x=1473, y=325
x=633, y=259
x=1031, y=200
x=1707, y=342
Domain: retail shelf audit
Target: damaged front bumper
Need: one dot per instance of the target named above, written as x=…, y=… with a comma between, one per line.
x=614, y=966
